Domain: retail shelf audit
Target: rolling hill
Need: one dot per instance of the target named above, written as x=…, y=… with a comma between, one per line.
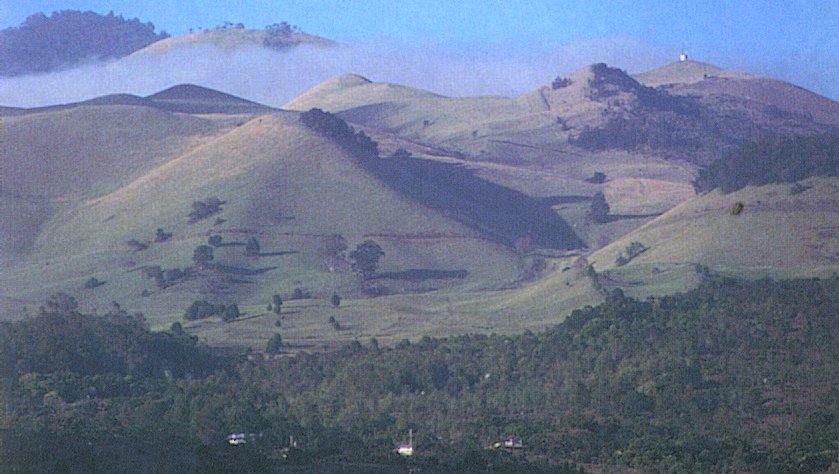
x=598, y=108
x=283, y=184
x=89, y=189
x=781, y=231
x=232, y=37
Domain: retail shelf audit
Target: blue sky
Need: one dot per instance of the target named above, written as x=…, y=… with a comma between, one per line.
x=793, y=40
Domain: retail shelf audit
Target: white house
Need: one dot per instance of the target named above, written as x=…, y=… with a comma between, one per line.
x=407, y=449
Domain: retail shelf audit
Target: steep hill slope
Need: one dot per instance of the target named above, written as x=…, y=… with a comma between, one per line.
x=55, y=158
x=283, y=184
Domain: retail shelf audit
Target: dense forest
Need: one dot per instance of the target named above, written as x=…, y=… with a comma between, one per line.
x=733, y=376
x=66, y=38
x=773, y=159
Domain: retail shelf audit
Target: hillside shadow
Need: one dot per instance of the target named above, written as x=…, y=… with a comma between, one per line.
x=231, y=270
x=568, y=199
x=620, y=217
x=421, y=274
x=277, y=254
x=499, y=213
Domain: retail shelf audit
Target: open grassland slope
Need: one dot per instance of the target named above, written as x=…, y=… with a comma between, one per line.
x=54, y=159
x=779, y=230
x=282, y=184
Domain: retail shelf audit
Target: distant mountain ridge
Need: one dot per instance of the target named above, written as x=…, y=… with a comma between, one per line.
x=687, y=111
x=182, y=98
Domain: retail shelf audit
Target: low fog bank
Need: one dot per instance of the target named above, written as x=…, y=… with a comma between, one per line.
x=275, y=77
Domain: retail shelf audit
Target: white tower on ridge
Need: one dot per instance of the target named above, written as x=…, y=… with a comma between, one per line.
x=683, y=56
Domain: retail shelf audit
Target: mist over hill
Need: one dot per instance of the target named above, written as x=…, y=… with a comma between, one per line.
x=236, y=61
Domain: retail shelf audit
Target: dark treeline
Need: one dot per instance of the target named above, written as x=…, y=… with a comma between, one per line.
x=733, y=376
x=500, y=213
x=773, y=159
x=46, y=43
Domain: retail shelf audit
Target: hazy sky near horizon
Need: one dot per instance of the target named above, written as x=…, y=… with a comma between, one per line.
x=792, y=40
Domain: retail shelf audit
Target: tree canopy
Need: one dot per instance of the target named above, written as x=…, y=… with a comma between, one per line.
x=365, y=258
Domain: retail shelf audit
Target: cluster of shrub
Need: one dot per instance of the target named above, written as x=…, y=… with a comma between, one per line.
x=661, y=132
x=280, y=36
x=165, y=278
x=204, y=209
x=160, y=236
x=359, y=144
x=560, y=82
x=772, y=159
x=631, y=251
x=202, y=309
x=68, y=37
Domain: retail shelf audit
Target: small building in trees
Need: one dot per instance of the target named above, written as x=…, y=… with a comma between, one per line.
x=512, y=442
x=407, y=449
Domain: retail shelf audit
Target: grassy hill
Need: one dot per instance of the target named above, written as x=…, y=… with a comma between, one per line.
x=718, y=88
x=598, y=108
x=283, y=184
x=111, y=172
x=54, y=159
x=516, y=142
x=780, y=232
x=235, y=37
x=649, y=142
x=685, y=72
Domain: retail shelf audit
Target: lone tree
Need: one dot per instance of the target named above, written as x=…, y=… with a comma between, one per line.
x=336, y=300
x=214, y=240
x=202, y=256
x=230, y=313
x=278, y=303
x=252, y=247
x=365, y=258
x=162, y=236
x=599, y=208
x=275, y=344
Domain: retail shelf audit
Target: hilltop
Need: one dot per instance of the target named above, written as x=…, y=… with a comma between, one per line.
x=686, y=72
x=231, y=37
x=599, y=108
